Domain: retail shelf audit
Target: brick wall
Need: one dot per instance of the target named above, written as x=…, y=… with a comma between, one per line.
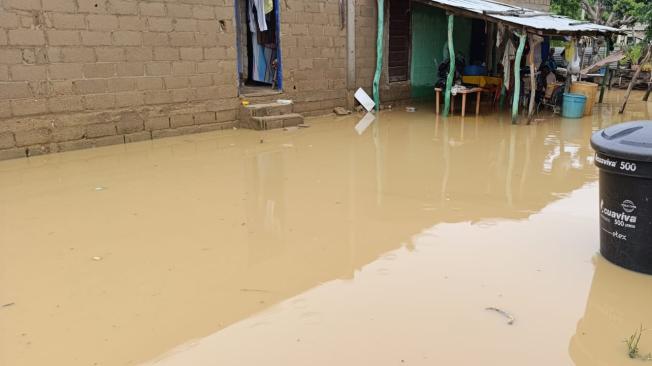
x=313, y=45
x=82, y=73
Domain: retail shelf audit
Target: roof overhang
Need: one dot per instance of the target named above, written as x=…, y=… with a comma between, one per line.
x=533, y=21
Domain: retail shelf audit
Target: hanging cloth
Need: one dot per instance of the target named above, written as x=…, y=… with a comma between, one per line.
x=257, y=15
x=538, y=40
x=269, y=6
x=509, y=49
x=262, y=58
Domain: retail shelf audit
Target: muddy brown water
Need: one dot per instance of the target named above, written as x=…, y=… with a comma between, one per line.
x=319, y=246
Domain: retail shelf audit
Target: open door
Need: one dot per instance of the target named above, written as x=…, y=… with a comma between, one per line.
x=259, y=52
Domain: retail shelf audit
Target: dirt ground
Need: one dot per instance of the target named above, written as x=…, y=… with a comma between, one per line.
x=320, y=246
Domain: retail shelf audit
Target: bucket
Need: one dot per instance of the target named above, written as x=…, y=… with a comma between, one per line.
x=573, y=106
x=589, y=90
x=624, y=155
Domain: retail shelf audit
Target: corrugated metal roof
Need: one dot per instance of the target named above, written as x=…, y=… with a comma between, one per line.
x=545, y=22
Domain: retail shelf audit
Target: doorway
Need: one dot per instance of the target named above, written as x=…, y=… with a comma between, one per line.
x=258, y=45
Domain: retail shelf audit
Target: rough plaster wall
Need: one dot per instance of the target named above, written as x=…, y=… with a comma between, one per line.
x=81, y=73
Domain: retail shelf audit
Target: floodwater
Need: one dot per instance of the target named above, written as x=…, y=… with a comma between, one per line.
x=319, y=246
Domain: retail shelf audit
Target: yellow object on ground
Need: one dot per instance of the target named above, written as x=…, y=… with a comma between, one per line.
x=482, y=81
x=587, y=89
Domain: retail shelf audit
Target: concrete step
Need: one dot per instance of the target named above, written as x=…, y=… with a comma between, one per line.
x=267, y=109
x=278, y=121
x=263, y=97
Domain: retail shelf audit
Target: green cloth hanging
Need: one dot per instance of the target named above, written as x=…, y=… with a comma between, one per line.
x=268, y=6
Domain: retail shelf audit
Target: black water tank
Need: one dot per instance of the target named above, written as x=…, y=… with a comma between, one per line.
x=624, y=156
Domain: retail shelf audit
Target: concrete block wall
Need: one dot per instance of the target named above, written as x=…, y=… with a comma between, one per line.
x=82, y=73
x=313, y=45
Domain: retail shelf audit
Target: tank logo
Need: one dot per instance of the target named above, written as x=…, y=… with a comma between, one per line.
x=628, y=206
x=620, y=218
x=605, y=161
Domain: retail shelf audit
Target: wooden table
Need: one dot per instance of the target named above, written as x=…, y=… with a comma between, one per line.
x=477, y=91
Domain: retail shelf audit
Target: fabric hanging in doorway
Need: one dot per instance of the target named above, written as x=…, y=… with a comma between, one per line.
x=257, y=16
x=262, y=24
x=262, y=58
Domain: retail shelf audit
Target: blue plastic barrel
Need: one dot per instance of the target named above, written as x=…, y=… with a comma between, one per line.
x=573, y=106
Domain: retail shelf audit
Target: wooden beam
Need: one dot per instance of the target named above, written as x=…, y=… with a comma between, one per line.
x=533, y=83
x=631, y=84
x=517, y=76
x=451, y=68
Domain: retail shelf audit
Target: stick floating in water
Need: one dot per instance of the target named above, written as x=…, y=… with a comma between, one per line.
x=510, y=318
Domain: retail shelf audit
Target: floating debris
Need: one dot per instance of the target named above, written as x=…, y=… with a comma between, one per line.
x=410, y=109
x=96, y=258
x=8, y=305
x=100, y=188
x=341, y=111
x=253, y=290
x=510, y=318
x=303, y=125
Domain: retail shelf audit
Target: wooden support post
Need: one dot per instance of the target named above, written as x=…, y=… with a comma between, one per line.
x=463, y=104
x=647, y=92
x=451, y=69
x=533, y=82
x=503, y=94
x=569, y=76
x=452, y=111
x=631, y=84
x=517, y=76
x=478, y=95
x=607, y=75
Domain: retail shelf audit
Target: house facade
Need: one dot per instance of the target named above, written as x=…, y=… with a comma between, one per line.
x=85, y=73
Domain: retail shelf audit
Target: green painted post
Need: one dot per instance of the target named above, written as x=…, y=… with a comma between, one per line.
x=379, y=53
x=517, y=76
x=607, y=74
x=451, y=69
